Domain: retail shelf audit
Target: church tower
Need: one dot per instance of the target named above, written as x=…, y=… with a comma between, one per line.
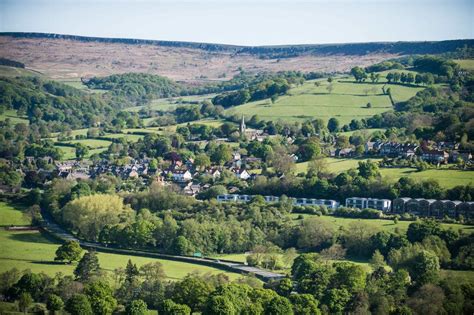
x=242, y=126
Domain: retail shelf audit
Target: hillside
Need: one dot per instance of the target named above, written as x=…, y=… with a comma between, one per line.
x=74, y=57
x=346, y=101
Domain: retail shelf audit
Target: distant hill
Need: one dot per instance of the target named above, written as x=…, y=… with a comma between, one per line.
x=70, y=57
x=280, y=51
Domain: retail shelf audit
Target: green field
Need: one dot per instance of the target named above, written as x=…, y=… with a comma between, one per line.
x=447, y=178
x=32, y=250
x=69, y=153
x=466, y=64
x=92, y=143
x=12, y=215
x=347, y=101
x=367, y=132
x=35, y=251
x=14, y=119
x=167, y=104
x=335, y=165
x=385, y=225
x=128, y=137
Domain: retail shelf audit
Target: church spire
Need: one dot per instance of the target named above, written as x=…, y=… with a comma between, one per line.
x=242, y=126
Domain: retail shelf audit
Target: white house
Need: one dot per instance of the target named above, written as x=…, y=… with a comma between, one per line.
x=241, y=174
x=181, y=176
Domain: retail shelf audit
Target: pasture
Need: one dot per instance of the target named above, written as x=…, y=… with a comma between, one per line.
x=334, y=165
x=12, y=215
x=385, y=225
x=446, y=177
x=36, y=251
x=466, y=64
x=13, y=117
x=92, y=143
x=345, y=102
x=168, y=104
x=69, y=153
x=32, y=250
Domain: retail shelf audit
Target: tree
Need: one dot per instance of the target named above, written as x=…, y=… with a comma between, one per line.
x=314, y=233
x=310, y=149
x=357, y=238
x=101, y=297
x=389, y=77
x=335, y=252
x=137, y=307
x=377, y=260
x=419, y=230
x=81, y=151
x=79, y=304
x=131, y=271
x=88, y=266
x=337, y=300
x=359, y=74
x=69, y=251
x=169, y=307
x=221, y=154
x=369, y=105
x=31, y=283
x=368, y=169
x=317, y=167
x=192, y=291
x=427, y=300
x=181, y=246
x=219, y=304
x=333, y=124
x=274, y=98
x=24, y=301
x=278, y=306
x=425, y=268
x=54, y=303
x=88, y=215
x=304, y=304
x=202, y=161
x=330, y=88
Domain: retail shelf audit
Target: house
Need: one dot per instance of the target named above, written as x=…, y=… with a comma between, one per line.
x=444, y=145
x=372, y=203
x=344, y=152
x=214, y=173
x=369, y=146
x=241, y=174
x=464, y=156
x=236, y=156
x=394, y=149
x=181, y=176
x=192, y=189
x=435, y=156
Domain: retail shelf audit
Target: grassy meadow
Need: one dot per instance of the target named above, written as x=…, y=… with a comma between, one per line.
x=12, y=215
x=13, y=116
x=167, y=104
x=384, y=225
x=36, y=251
x=447, y=178
x=466, y=64
x=347, y=101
